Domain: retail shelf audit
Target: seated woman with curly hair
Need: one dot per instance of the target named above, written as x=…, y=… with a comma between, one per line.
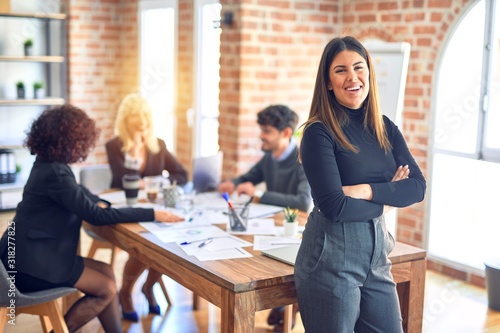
x=49, y=217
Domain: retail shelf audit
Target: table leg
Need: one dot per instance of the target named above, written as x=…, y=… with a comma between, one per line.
x=199, y=303
x=237, y=312
x=416, y=296
x=287, y=325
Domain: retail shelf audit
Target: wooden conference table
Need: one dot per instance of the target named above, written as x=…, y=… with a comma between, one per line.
x=240, y=287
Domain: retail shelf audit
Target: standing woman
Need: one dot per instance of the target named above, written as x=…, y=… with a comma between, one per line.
x=49, y=218
x=359, y=167
x=135, y=149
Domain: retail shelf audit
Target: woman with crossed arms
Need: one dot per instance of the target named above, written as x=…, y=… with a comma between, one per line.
x=359, y=167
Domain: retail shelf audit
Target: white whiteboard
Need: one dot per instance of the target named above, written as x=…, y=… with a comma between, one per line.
x=391, y=67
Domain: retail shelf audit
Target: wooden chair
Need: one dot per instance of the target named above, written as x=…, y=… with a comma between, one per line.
x=42, y=303
x=97, y=178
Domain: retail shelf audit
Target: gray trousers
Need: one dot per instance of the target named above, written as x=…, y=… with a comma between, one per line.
x=343, y=277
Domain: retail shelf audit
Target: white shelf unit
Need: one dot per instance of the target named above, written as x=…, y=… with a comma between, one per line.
x=49, y=64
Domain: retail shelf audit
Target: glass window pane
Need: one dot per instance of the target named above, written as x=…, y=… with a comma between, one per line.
x=207, y=111
x=157, y=69
x=492, y=137
x=474, y=223
x=210, y=143
x=458, y=92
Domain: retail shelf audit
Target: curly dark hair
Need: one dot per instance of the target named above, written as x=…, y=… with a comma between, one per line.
x=62, y=134
x=278, y=116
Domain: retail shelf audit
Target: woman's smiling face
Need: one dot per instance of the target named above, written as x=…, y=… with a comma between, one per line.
x=349, y=79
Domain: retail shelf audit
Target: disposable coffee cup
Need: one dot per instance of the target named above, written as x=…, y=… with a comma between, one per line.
x=130, y=184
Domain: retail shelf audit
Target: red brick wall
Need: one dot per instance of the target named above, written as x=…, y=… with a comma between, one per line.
x=102, y=61
x=185, y=83
x=269, y=55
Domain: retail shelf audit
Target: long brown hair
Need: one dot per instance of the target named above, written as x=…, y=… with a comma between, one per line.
x=326, y=109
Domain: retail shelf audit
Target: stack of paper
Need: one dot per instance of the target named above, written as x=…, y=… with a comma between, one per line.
x=203, y=242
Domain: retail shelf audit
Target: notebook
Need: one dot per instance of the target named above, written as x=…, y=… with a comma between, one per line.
x=207, y=172
x=286, y=254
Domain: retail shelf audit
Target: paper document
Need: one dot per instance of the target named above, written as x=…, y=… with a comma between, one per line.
x=256, y=227
x=260, y=210
x=234, y=253
x=183, y=233
x=217, y=244
x=272, y=242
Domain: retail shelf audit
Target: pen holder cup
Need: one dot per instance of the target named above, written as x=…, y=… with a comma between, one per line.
x=170, y=196
x=238, y=218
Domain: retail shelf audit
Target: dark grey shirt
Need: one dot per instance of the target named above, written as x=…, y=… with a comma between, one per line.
x=285, y=180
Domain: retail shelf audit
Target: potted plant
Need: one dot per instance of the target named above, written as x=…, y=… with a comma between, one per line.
x=20, y=89
x=38, y=90
x=28, y=46
x=290, y=223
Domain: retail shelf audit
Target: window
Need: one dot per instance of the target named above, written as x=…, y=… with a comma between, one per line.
x=491, y=146
x=207, y=46
x=464, y=224
x=157, y=22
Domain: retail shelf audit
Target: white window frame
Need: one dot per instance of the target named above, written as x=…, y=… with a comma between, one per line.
x=195, y=116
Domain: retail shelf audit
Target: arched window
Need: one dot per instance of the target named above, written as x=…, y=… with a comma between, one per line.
x=464, y=222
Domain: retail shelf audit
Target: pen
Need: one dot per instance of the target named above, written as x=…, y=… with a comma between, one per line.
x=206, y=242
x=199, y=240
x=246, y=206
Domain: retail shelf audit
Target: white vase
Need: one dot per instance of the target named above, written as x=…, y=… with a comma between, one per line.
x=39, y=93
x=290, y=228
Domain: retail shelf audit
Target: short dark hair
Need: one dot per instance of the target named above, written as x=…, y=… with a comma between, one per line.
x=278, y=116
x=62, y=134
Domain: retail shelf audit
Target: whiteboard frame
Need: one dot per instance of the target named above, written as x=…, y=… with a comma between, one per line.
x=393, y=73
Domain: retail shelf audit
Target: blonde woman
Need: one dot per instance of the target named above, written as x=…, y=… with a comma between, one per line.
x=135, y=149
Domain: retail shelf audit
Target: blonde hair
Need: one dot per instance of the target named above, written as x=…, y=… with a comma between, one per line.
x=132, y=105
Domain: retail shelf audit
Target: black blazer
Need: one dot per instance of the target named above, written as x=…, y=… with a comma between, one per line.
x=48, y=221
x=155, y=163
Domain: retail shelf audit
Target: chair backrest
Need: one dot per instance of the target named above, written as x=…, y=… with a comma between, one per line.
x=96, y=178
x=9, y=292
x=5, y=286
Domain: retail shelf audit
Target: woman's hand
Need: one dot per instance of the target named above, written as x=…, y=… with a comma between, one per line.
x=402, y=172
x=166, y=216
x=364, y=191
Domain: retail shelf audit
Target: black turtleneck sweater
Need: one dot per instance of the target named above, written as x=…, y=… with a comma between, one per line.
x=328, y=167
